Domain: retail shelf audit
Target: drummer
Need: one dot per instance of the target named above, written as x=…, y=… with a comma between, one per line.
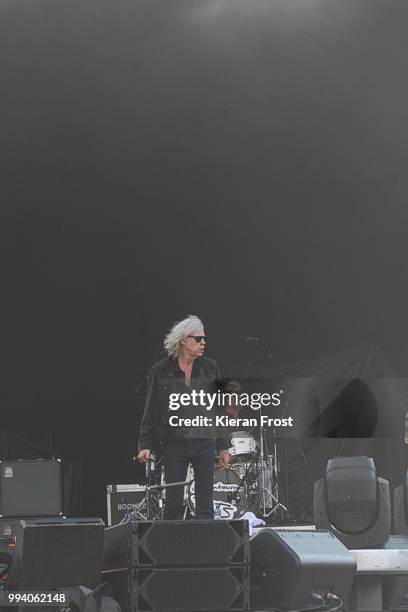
x=233, y=408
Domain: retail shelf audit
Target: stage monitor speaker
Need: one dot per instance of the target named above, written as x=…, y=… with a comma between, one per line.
x=289, y=567
x=171, y=543
x=181, y=589
x=30, y=488
x=54, y=554
x=353, y=503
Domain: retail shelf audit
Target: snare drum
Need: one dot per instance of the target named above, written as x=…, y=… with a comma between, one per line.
x=243, y=447
x=229, y=499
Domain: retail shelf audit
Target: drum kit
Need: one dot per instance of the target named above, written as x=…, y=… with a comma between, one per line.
x=249, y=484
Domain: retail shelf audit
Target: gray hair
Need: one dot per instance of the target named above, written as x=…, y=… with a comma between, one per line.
x=180, y=330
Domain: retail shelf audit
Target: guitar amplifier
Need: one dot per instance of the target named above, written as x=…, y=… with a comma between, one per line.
x=122, y=499
x=30, y=488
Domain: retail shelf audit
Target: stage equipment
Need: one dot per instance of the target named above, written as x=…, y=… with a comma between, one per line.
x=400, y=508
x=395, y=587
x=143, y=502
x=30, y=488
x=259, y=481
x=181, y=589
x=123, y=499
x=382, y=577
x=230, y=496
x=9, y=531
x=243, y=447
x=5, y=564
x=153, y=543
x=178, y=565
x=263, y=459
x=153, y=504
x=53, y=553
x=253, y=484
x=294, y=569
x=353, y=503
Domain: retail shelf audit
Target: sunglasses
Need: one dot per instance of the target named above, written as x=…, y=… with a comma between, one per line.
x=197, y=338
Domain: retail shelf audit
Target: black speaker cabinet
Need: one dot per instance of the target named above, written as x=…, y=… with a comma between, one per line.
x=191, y=543
x=53, y=553
x=180, y=589
x=178, y=566
x=30, y=488
x=287, y=567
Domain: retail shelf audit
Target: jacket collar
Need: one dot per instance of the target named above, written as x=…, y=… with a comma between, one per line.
x=173, y=367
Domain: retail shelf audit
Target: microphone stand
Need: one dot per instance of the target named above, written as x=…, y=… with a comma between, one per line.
x=150, y=465
x=163, y=486
x=151, y=488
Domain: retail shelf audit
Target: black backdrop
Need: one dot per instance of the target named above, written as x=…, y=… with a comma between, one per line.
x=244, y=161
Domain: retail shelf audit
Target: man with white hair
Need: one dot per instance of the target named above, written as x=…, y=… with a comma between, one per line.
x=184, y=370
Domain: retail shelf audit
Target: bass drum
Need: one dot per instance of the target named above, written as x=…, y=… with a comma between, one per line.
x=230, y=500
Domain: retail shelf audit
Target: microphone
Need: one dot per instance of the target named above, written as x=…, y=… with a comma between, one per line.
x=150, y=465
x=252, y=339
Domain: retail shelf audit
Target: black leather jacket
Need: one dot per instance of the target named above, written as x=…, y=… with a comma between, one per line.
x=165, y=377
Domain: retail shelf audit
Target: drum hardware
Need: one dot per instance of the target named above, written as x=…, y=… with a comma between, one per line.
x=254, y=484
x=247, y=478
x=257, y=478
x=230, y=496
x=260, y=476
x=278, y=508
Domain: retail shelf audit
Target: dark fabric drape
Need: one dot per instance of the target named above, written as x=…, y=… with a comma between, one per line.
x=14, y=446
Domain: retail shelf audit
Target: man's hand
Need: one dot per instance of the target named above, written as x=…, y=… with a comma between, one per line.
x=224, y=458
x=144, y=455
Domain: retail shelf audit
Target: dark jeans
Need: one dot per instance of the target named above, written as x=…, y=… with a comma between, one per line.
x=177, y=454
